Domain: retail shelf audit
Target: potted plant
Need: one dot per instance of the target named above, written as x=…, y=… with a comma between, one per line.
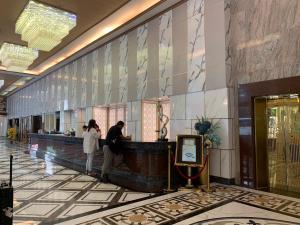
x=208, y=130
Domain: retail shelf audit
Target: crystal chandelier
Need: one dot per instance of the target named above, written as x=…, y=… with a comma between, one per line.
x=43, y=27
x=16, y=57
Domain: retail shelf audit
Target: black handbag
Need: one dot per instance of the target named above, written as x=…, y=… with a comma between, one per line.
x=6, y=200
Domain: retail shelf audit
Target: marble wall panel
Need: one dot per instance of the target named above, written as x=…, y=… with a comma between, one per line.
x=59, y=89
x=100, y=94
x=265, y=49
x=215, y=162
x=89, y=80
x=138, y=130
x=225, y=132
x=89, y=114
x=62, y=121
x=32, y=98
x=131, y=129
x=216, y=103
x=43, y=94
x=132, y=65
x=57, y=79
x=67, y=87
x=73, y=72
x=136, y=110
x=179, y=127
x=142, y=61
x=128, y=111
x=24, y=102
x=70, y=83
x=37, y=97
x=195, y=105
x=165, y=54
x=228, y=50
x=52, y=92
x=178, y=107
x=215, y=44
x=153, y=60
x=123, y=69
x=83, y=75
x=95, y=74
x=77, y=71
x=179, y=37
x=226, y=163
x=107, y=73
x=115, y=80
x=196, y=46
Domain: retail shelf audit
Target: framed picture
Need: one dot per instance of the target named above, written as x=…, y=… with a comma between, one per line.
x=189, y=151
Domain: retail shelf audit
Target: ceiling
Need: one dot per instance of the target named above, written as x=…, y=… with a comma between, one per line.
x=8, y=80
x=88, y=14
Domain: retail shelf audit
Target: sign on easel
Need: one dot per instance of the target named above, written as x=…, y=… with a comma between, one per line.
x=189, y=151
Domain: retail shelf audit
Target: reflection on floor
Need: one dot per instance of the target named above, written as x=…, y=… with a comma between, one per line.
x=44, y=190
x=47, y=193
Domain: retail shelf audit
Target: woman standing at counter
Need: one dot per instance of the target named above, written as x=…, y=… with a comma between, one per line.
x=90, y=144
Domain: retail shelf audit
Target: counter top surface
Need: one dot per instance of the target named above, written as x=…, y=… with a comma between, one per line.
x=54, y=136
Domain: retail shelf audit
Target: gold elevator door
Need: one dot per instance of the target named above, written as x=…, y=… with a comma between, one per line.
x=283, y=143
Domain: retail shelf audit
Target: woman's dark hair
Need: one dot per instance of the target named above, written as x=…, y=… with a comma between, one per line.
x=120, y=123
x=92, y=124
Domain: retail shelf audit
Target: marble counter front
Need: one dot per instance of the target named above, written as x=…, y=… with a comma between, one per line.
x=141, y=166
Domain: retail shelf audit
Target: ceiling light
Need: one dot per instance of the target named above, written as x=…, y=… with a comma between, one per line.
x=16, y=57
x=11, y=88
x=20, y=83
x=43, y=27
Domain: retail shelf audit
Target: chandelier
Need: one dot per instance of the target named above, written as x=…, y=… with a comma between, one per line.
x=43, y=27
x=16, y=57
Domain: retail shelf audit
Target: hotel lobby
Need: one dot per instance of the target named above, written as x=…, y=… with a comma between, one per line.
x=208, y=91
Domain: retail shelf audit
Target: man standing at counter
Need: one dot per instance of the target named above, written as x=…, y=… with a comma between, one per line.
x=111, y=146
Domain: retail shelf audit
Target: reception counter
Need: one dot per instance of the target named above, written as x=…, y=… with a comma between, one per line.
x=141, y=166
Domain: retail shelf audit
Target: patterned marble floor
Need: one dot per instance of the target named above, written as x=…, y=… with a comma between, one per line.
x=47, y=193
x=226, y=205
x=44, y=191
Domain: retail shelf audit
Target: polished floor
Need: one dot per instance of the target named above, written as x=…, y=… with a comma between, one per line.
x=48, y=193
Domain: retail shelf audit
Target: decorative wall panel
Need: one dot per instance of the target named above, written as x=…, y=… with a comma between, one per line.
x=74, y=84
x=100, y=115
x=83, y=75
x=65, y=81
x=95, y=75
x=149, y=121
x=123, y=69
x=47, y=95
x=142, y=61
x=78, y=83
x=59, y=87
x=196, y=46
x=165, y=54
x=107, y=74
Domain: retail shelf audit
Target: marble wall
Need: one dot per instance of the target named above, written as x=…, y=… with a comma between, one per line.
x=180, y=54
x=263, y=40
x=261, y=43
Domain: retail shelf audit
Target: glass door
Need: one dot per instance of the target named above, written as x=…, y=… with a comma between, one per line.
x=283, y=142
